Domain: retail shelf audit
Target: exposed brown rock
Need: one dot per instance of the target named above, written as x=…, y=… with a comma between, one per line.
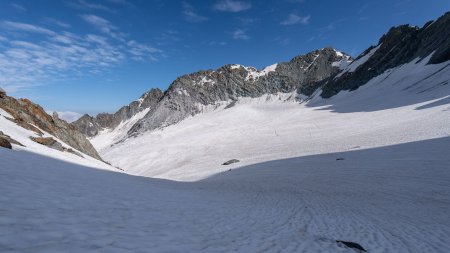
x=33, y=117
x=2, y=92
x=54, y=144
x=9, y=139
x=4, y=143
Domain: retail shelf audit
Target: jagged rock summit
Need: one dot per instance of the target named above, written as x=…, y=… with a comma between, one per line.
x=90, y=126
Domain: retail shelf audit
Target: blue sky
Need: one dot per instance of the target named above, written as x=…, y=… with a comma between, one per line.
x=88, y=56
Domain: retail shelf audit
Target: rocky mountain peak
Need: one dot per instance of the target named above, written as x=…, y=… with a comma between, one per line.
x=190, y=93
x=90, y=126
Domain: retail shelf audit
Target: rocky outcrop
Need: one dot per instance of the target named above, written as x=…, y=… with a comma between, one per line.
x=90, y=126
x=54, y=144
x=5, y=143
x=7, y=139
x=2, y=92
x=400, y=45
x=33, y=117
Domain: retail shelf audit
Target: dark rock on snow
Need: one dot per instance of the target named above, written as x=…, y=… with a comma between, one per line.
x=352, y=245
x=9, y=139
x=231, y=162
x=4, y=143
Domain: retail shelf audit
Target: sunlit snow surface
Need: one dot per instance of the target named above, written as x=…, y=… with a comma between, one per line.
x=370, y=166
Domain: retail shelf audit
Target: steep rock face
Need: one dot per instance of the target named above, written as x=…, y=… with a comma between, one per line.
x=398, y=46
x=189, y=94
x=90, y=126
x=86, y=125
x=33, y=117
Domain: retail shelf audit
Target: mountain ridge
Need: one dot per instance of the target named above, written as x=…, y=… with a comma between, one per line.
x=189, y=92
x=326, y=69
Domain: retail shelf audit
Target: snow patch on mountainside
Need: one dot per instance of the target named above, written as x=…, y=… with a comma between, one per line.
x=342, y=64
x=312, y=62
x=205, y=80
x=253, y=73
x=358, y=62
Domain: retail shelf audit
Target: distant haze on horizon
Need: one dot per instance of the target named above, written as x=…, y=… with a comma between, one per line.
x=85, y=56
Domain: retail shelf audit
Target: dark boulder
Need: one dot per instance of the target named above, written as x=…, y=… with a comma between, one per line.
x=352, y=245
x=231, y=162
x=7, y=139
x=4, y=143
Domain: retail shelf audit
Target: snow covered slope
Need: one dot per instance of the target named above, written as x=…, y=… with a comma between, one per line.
x=388, y=199
x=404, y=104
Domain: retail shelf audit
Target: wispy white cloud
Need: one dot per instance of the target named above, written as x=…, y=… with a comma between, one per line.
x=217, y=43
x=29, y=61
x=232, y=5
x=18, y=7
x=23, y=27
x=191, y=15
x=294, y=19
x=141, y=51
x=240, y=34
x=26, y=64
x=86, y=5
x=103, y=25
x=122, y=2
x=57, y=22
